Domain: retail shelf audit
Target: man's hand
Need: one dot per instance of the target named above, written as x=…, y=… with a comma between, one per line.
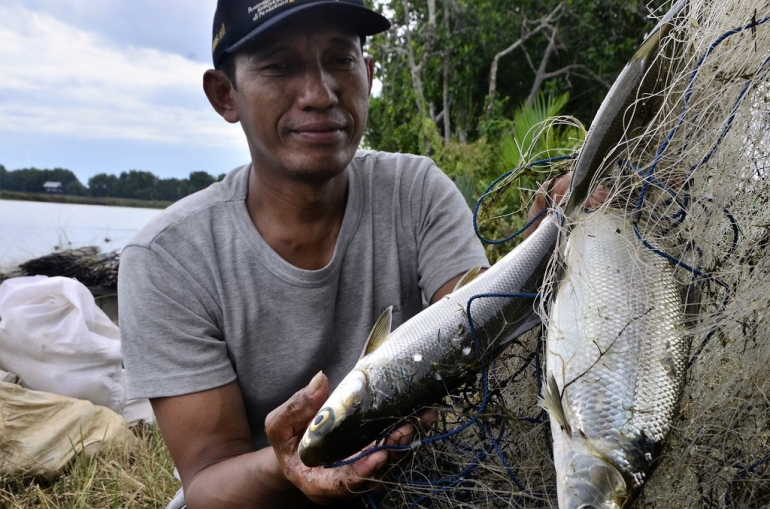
x=553, y=193
x=285, y=426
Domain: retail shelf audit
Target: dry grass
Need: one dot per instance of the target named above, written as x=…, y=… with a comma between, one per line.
x=139, y=477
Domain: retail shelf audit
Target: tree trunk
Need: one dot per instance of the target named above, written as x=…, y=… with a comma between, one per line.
x=416, y=69
x=447, y=125
x=541, y=23
x=540, y=74
x=447, y=58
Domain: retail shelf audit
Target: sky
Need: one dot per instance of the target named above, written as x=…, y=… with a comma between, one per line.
x=105, y=86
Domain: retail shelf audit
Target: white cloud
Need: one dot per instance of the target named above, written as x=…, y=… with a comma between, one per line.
x=58, y=79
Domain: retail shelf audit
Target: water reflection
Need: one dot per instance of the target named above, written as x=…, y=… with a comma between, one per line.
x=32, y=229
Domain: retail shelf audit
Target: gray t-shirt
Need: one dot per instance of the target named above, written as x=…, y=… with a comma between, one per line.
x=204, y=300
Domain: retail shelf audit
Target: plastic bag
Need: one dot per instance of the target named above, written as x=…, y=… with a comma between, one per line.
x=41, y=432
x=56, y=339
x=8, y=377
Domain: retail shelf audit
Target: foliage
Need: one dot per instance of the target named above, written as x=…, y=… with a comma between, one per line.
x=594, y=39
x=529, y=138
x=435, y=64
x=535, y=133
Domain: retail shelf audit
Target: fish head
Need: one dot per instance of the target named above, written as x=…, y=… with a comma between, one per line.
x=329, y=432
x=593, y=483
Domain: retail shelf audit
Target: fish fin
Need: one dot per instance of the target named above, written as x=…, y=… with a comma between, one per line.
x=551, y=402
x=524, y=324
x=468, y=277
x=380, y=332
x=649, y=48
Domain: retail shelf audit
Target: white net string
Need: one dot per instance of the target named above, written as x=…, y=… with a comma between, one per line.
x=696, y=182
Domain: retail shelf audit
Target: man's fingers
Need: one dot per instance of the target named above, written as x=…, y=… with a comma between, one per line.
x=323, y=485
x=402, y=435
x=598, y=196
x=427, y=418
x=366, y=473
x=405, y=434
x=290, y=419
x=550, y=194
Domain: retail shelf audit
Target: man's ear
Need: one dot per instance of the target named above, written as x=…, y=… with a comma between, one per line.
x=219, y=90
x=369, y=60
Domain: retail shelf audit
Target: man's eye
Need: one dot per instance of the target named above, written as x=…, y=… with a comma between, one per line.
x=278, y=66
x=344, y=60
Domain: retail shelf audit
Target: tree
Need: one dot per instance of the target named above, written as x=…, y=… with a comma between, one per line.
x=170, y=189
x=137, y=184
x=459, y=66
x=199, y=180
x=31, y=180
x=101, y=185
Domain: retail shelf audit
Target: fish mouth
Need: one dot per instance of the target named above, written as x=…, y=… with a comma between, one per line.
x=324, y=435
x=594, y=484
x=312, y=448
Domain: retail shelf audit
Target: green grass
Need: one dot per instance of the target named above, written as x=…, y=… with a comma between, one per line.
x=86, y=200
x=140, y=477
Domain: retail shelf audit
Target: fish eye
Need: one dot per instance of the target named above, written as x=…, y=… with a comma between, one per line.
x=320, y=419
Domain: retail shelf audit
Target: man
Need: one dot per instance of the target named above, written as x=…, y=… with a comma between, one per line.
x=236, y=297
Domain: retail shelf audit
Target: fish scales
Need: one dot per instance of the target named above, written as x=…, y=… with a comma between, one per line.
x=616, y=351
x=432, y=353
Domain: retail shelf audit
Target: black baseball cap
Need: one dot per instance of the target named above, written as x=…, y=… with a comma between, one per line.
x=237, y=22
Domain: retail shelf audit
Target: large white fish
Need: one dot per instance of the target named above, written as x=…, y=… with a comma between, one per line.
x=616, y=354
x=432, y=353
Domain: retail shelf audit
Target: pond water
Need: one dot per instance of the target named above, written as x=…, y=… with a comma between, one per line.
x=31, y=229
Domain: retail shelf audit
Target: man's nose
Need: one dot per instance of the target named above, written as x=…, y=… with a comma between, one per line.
x=319, y=89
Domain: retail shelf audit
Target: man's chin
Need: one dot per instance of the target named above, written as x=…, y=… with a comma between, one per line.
x=318, y=167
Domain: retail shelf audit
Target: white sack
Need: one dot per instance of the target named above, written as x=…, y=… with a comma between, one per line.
x=41, y=432
x=8, y=377
x=56, y=339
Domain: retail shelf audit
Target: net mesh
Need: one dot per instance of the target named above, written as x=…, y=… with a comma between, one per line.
x=695, y=183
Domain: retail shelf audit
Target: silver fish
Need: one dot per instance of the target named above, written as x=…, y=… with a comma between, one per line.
x=430, y=354
x=616, y=353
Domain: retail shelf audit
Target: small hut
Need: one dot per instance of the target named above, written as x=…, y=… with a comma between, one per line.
x=53, y=187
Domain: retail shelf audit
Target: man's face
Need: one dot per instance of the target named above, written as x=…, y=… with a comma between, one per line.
x=302, y=97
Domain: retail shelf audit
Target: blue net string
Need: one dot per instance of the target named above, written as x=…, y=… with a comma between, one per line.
x=491, y=187
x=648, y=176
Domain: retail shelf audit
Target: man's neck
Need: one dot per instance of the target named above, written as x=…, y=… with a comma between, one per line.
x=300, y=220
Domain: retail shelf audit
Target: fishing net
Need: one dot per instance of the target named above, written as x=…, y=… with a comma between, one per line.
x=695, y=185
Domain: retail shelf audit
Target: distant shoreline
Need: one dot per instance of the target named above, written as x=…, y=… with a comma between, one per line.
x=84, y=200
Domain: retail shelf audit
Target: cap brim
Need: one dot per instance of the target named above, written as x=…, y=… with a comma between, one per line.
x=367, y=21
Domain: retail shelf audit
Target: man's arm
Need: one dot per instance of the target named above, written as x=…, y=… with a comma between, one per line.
x=448, y=287
x=209, y=439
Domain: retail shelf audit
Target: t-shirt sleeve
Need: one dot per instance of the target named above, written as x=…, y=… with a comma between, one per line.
x=164, y=312
x=446, y=242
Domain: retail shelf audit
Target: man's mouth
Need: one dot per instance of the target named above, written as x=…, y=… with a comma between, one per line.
x=320, y=132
